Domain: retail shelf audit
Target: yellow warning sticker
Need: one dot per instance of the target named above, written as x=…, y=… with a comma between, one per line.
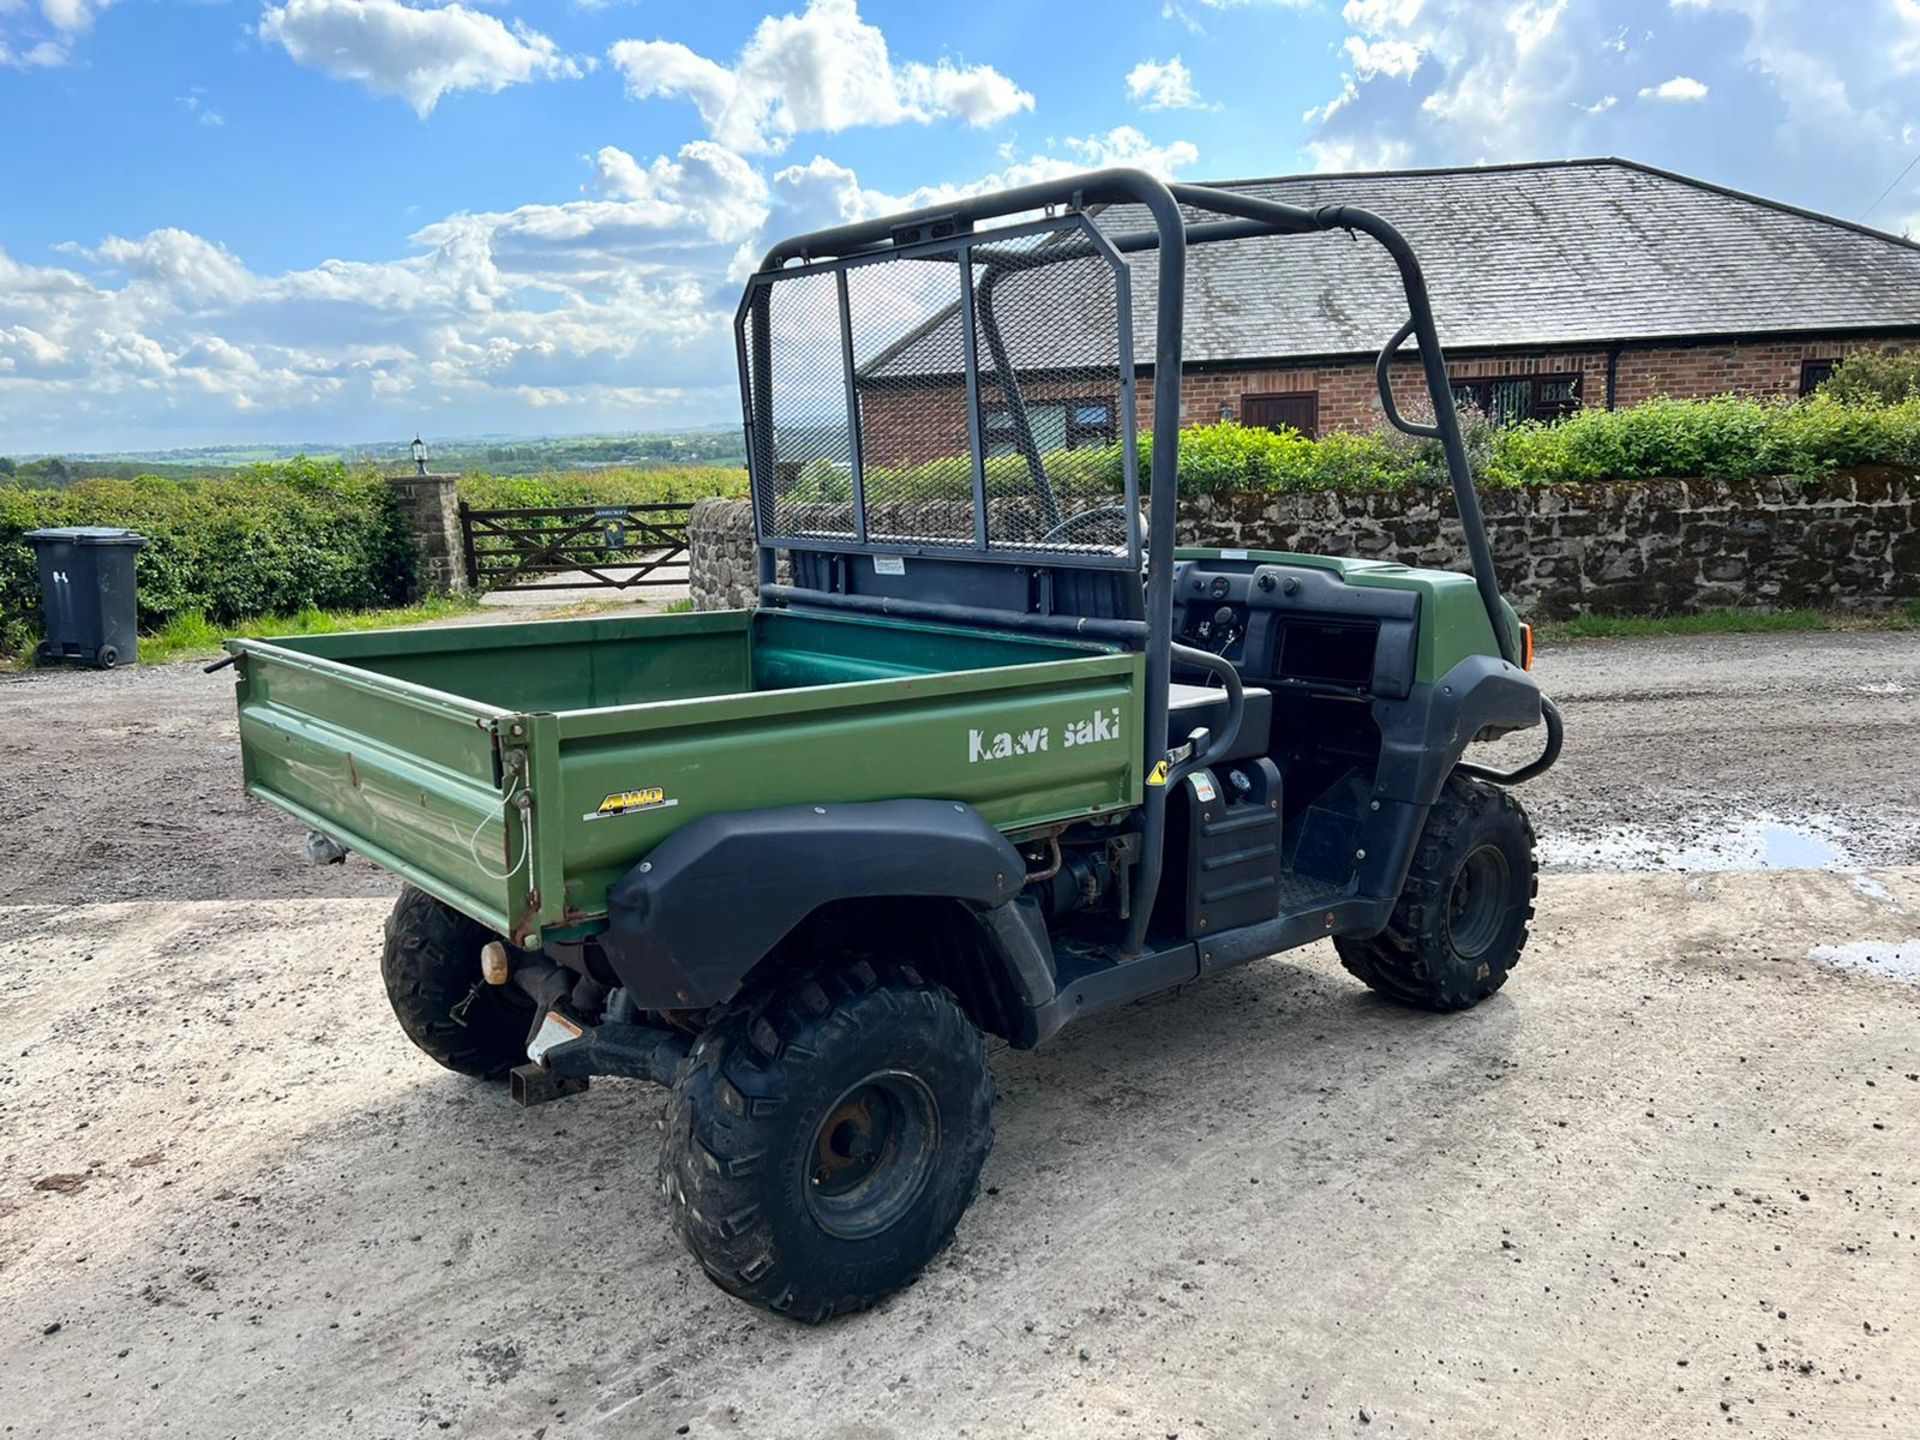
x=626, y=802
x=1159, y=774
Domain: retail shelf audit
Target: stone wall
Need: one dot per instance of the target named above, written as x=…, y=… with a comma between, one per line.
x=1632, y=548
x=723, y=564
x=431, y=506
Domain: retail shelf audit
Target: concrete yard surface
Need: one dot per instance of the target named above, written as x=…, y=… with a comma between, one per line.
x=1666, y=1184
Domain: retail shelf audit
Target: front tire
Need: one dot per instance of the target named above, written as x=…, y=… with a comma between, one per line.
x=823, y=1140
x=431, y=966
x=1461, y=921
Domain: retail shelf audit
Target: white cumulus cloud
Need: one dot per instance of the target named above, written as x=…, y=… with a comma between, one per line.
x=41, y=38
x=178, y=262
x=707, y=188
x=825, y=69
x=23, y=348
x=1798, y=98
x=417, y=53
x=824, y=192
x=1680, y=87
x=1395, y=58
x=1167, y=86
x=72, y=16
x=614, y=305
x=612, y=309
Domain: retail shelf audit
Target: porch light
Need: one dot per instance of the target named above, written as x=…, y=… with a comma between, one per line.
x=419, y=449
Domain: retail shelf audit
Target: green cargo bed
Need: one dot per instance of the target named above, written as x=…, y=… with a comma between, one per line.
x=516, y=771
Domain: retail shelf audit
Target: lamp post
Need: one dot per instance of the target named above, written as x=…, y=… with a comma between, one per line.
x=419, y=449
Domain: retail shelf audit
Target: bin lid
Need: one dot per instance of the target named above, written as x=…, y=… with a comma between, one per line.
x=88, y=535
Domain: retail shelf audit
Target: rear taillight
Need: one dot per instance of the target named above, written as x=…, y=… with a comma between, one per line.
x=1526, y=647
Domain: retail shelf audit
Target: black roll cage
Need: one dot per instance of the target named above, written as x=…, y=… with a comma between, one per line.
x=1228, y=216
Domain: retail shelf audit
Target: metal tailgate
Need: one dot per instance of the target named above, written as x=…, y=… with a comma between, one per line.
x=407, y=776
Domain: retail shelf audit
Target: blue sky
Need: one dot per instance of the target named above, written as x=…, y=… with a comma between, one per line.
x=231, y=220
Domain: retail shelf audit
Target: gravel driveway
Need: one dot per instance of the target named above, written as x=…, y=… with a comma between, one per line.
x=1667, y=1182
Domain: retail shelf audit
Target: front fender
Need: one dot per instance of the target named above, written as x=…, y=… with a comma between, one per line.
x=688, y=922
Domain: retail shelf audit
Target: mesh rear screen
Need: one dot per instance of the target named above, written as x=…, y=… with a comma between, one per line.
x=1039, y=314
x=1050, y=392
x=811, y=484
x=914, y=450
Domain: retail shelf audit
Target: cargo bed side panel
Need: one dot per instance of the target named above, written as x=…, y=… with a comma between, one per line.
x=1025, y=745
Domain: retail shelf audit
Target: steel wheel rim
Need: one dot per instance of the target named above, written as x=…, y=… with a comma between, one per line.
x=872, y=1155
x=1476, y=906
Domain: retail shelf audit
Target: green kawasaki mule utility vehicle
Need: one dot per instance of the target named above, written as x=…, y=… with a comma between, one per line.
x=986, y=759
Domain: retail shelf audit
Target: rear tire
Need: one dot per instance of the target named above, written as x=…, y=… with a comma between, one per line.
x=1461, y=921
x=432, y=968
x=823, y=1139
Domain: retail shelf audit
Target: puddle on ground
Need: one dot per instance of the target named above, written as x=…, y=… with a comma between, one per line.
x=1894, y=959
x=1758, y=842
x=1763, y=842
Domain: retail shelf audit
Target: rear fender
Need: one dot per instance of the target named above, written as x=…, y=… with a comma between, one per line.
x=1425, y=735
x=1423, y=739
x=688, y=923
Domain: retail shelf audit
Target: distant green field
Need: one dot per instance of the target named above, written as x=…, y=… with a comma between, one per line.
x=565, y=454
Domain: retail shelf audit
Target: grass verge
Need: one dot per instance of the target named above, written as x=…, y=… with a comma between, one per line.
x=194, y=637
x=1726, y=622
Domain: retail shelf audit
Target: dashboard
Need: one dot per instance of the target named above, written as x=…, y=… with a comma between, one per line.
x=1298, y=624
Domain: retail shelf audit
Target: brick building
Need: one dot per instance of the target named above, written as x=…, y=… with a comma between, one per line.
x=1556, y=286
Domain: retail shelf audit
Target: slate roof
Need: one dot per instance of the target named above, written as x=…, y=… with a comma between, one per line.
x=1552, y=254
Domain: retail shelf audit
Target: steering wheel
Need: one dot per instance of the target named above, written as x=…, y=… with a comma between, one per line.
x=1087, y=518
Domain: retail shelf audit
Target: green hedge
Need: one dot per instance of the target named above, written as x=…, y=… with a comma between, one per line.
x=268, y=539
x=600, y=487
x=1223, y=458
x=1872, y=378
x=1724, y=439
x=1727, y=439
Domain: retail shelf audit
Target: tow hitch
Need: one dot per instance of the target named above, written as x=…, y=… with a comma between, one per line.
x=563, y=1053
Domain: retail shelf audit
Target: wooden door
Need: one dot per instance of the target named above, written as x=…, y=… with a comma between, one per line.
x=1298, y=411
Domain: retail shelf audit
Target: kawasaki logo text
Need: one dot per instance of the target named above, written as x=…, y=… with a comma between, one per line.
x=1100, y=726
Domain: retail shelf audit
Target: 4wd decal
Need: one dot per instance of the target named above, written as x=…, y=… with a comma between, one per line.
x=627, y=802
x=1101, y=726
